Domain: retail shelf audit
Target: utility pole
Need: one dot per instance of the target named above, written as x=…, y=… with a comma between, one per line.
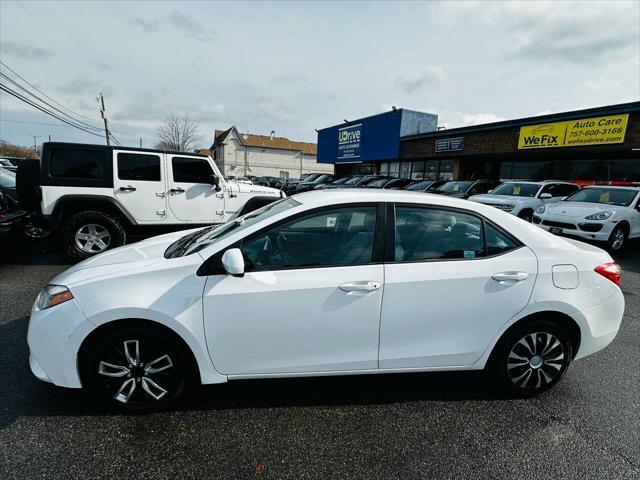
x=140, y=142
x=104, y=117
x=35, y=145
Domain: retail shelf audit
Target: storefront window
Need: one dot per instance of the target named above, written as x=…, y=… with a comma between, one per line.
x=624, y=169
x=532, y=170
x=394, y=169
x=417, y=170
x=405, y=170
x=431, y=170
x=446, y=170
x=384, y=168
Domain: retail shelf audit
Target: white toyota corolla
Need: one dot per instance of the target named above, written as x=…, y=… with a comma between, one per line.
x=329, y=282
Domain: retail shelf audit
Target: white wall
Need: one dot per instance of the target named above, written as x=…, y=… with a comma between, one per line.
x=264, y=161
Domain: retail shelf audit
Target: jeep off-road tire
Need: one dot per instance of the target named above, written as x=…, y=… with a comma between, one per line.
x=88, y=233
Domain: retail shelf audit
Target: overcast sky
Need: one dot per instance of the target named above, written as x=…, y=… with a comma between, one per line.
x=296, y=66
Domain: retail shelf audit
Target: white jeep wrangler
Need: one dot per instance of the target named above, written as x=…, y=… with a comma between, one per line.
x=98, y=195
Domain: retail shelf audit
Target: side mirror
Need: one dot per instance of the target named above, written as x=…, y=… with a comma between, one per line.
x=215, y=181
x=545, y=196
x=233, y=262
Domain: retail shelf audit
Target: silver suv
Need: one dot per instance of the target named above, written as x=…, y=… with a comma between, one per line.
x=523, y=198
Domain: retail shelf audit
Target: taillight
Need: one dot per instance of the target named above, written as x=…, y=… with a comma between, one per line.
x=610, y=270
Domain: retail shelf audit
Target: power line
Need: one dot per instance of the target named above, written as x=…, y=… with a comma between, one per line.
x=47, y=96
x=44, y=110
x=47, y=103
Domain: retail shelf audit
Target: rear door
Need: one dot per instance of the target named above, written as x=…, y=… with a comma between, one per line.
x=455, y=280
x=139, y=185
x=192, y=197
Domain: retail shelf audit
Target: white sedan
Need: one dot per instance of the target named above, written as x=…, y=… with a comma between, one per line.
x=329, y=282
x=599, y=213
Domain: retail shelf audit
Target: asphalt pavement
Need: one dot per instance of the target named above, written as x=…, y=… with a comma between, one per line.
x=431, y=426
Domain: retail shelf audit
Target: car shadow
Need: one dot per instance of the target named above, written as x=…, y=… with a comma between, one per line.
x=23, y=395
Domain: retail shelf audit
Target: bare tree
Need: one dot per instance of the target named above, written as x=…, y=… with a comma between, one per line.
x=177, y=134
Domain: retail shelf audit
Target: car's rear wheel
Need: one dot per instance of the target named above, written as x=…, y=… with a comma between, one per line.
x=138, y=370
x=532, y=358
x=618, y=239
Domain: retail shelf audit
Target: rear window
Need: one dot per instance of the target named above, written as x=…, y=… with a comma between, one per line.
x=136, y=166
x=77, y=163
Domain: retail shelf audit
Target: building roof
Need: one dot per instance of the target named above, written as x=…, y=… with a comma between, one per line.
x=519, y=122
x=265, y=141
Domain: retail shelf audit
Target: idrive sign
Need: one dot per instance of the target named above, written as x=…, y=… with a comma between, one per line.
x=575, y=133
x=349, y=141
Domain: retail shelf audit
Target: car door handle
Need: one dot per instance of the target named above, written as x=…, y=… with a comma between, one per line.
x=128, y=188
x=510, y=277
x=360, y=286
x=177, y=190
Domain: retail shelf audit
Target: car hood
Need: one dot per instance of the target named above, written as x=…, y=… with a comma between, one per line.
x=135, y=256
x=499, y=199
x=578, y=209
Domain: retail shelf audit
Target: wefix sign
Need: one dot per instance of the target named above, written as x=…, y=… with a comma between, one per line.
x=575, y=133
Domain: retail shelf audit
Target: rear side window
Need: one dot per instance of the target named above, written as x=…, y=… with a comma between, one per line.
x=423, y=234
x=191, y=170
x=77, y=163
x=136, y=166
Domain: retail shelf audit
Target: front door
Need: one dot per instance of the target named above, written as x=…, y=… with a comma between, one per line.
x=192, y=197
x=455, y=281
x=139, y=185
x=309, y=301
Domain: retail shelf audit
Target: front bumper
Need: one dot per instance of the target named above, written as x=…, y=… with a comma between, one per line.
x=54, y=338
x=575, y=227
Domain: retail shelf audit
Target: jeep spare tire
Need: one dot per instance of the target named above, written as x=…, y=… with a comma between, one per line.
x=92, y=232
x=27, y=184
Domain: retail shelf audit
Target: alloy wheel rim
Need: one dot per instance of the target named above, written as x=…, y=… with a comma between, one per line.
x=92, y=238
x=618, y=239
x=131, y=381
x=535, y=360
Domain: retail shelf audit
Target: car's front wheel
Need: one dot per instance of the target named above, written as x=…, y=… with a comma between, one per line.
x=617, y=239
x=532, y=358
x=138, y=370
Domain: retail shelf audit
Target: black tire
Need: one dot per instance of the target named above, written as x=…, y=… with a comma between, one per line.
x=618, y=239
x=37, y=228
x=104, y=367
x=27, y=183
x=526, y=215
x=546, y=362
x=102, y=222
x=256, y=203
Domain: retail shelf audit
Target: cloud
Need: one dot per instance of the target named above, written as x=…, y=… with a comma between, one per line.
x=433, y=76
x=289, y=78
x=79, y=85
x=480, y=118
x=189, y=26
x=26, y=51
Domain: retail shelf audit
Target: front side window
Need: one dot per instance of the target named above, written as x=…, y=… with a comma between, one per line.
x=425, y=233
x=77, y=163
x=332, y=237
x=136, y=166
x=191, y=170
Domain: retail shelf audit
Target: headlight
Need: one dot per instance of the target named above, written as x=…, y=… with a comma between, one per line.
x=599, y=216
x=52, y=295
x=541, y=209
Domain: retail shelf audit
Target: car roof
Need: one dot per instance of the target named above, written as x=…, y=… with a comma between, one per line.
x=616, y=187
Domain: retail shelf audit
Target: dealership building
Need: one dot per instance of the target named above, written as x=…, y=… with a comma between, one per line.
x=593, y=145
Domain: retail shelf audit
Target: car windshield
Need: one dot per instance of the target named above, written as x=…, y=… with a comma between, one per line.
x=7, y=178
x=420, y=185
x=353, y=181
x=608, y=196
x=515, y=189
x=340, y=181
x=455, y=187
x=196, y=241
x=378, y=183
x=321, y=178
x=310, y=178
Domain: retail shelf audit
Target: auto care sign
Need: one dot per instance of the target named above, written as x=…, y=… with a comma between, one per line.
x=574, y=133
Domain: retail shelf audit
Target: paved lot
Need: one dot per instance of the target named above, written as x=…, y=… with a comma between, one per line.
x=391, y=426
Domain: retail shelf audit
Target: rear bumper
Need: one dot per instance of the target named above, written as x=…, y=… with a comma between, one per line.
x=11, y=222
x=601, y=324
